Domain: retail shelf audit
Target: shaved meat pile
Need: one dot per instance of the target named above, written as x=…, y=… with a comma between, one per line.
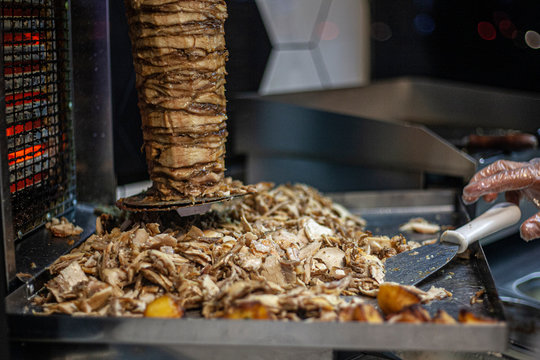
x=179, y=56
x=288, y=250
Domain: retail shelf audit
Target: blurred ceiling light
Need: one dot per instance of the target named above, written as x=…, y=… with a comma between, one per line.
x=507, y=29
x=532, y=39
x=327, y=30
x=424, y=24
x=486, y=30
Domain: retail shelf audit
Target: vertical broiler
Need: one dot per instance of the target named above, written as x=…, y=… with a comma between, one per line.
x=38, y=182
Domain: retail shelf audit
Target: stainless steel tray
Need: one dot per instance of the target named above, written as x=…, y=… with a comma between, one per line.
x=463, y=277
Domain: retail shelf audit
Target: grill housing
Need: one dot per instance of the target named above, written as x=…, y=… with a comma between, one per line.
x=37, y=113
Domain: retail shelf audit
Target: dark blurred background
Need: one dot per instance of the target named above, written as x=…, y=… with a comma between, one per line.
x=493, y=43
x=489, y=42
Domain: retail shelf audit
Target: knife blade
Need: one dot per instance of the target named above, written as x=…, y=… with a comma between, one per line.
x=413, y=266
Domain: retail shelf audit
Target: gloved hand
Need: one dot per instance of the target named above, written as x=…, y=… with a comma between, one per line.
x=517, y=180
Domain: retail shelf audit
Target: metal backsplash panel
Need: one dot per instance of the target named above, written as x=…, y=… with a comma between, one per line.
x=316, y=44
x=428, y=102
x=288, y=143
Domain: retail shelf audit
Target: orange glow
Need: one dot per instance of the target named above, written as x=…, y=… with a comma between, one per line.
x=20, y=69
x=25, y=154
x=19, y=128
x=18, y=39
x=29, y=181
x=22, y=98
x=20, y=12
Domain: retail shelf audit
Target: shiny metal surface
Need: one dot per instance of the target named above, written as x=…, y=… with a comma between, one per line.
x=528, y=287
x=397, y=202
x=40, y=249
x=428, y=102
x=92, y=107
x=413, y=266
x=462, y=276
x=513, y=260
x=327, y=175
x=268, y=129
x=524, y=325
x=35, y=252
x=317, y=335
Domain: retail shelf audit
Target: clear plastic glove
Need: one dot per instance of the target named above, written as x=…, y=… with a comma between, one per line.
x=517, y=180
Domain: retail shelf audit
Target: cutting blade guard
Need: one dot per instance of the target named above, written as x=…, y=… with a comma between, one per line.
x=144, y=202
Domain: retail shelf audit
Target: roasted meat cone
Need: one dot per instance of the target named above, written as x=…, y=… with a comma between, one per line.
x=179, y=56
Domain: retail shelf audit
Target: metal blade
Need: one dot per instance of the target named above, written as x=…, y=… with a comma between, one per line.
x=143, y=202
x=411, y=267
x=194, y=209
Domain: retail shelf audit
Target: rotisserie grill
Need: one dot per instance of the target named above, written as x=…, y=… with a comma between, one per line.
x=179, y=54
x=299, y=260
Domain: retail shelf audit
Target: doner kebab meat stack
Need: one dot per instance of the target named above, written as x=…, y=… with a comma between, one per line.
x=179, y=55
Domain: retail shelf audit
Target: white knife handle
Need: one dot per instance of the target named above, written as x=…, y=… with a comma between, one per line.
x=497, y=218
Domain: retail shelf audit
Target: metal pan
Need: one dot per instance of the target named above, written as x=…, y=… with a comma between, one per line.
x=464, y=276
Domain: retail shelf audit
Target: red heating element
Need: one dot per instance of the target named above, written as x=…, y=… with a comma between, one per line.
x=20, y=39
x=36, y=75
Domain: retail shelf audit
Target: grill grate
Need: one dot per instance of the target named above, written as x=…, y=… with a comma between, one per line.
x=38, y=110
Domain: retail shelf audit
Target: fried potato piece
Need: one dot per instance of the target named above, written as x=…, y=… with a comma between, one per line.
x=360, y=312
x=164, y=307
x=442, y=317
x=467, y=317
x=253, y=310
x=412, y=314
x=393, y=298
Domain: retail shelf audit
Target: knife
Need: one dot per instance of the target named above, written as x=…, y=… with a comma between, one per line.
x=411, y=267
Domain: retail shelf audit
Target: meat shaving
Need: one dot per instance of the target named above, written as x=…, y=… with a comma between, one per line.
x=478, y=296
x=288, y=249
x=420, y=225
x=63, y=227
